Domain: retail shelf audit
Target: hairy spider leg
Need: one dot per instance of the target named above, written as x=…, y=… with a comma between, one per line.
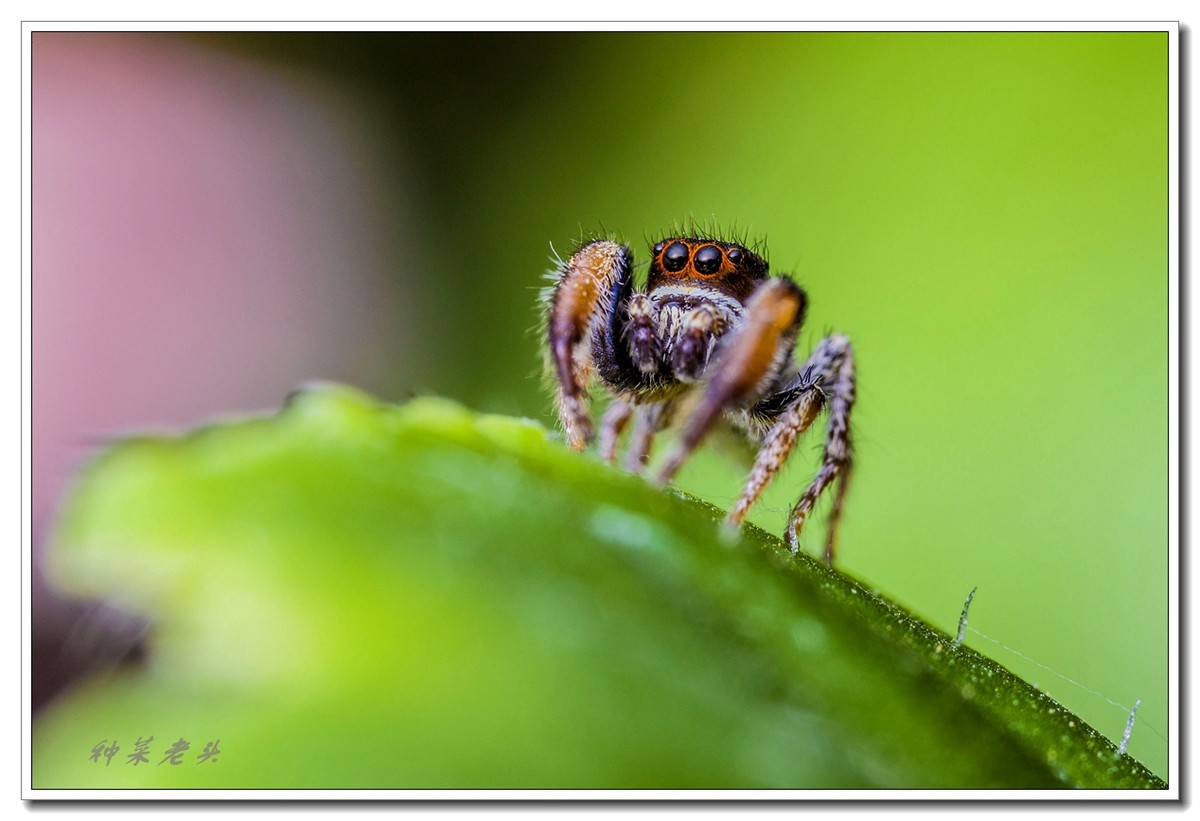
x=834, y=357
x=613, y=422
x=648, y=420
x=747, y=364
x=777, y=445
x=581, y=300
x=825, y=380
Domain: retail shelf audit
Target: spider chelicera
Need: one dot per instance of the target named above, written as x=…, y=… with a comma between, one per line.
x=708, y=341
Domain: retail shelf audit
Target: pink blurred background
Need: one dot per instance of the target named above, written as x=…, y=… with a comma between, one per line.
x=209, y=232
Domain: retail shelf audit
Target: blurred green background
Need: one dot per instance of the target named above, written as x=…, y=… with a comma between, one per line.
x=984, y=214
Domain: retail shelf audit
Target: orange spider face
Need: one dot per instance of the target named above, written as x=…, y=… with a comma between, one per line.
x=723, y=266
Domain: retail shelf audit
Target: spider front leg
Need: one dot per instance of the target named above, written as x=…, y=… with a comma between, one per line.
x=586, y=297
x=826, y=379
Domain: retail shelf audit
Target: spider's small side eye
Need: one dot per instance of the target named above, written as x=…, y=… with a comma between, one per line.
x=708, y=260
x=658, y=246
x=735, y=255
x=675, y=257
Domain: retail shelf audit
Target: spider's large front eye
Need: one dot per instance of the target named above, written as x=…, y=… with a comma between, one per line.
x=675, y=257
x=708, y=260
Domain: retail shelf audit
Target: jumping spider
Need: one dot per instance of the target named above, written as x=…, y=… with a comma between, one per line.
x=709, y=339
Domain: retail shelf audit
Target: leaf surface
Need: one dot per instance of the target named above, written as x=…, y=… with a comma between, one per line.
x=355, y=595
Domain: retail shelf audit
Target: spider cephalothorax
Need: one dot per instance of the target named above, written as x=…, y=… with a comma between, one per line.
x=711, y=335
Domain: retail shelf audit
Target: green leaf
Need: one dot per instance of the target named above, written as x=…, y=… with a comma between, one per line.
x=351, y=594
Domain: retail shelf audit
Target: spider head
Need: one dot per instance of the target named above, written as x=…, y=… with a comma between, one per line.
x=724, y=266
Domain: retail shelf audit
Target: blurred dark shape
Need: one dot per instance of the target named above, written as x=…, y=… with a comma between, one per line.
x=72, y=638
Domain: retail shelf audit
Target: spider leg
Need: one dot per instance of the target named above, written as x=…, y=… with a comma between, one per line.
x=834, y=358
x=835, y=512
x=749, y=360
x=825, y=380
x=776, y=446
x=611, y=425
x=648, y=420
x=585, y=298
